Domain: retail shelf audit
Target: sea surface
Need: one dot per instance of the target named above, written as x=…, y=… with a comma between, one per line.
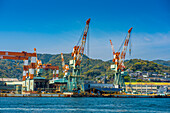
x=84, y=105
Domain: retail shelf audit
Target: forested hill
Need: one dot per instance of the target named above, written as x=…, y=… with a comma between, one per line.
x=145, y=65
x=90, y=67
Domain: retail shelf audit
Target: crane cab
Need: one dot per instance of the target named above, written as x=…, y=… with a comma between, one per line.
x=124, y=73
x=113, y=67
x=72, y=63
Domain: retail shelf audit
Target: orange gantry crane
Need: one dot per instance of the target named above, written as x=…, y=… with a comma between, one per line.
x=41, y=66
x=118, y=61
x=22, y=56
x=35, y=64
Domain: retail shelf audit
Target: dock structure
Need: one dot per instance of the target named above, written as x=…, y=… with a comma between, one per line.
x=87, y=95
x=136, y=89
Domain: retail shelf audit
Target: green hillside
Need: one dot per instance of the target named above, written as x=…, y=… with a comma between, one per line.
x=11, y=68
x=145, y=65
x=90, y=67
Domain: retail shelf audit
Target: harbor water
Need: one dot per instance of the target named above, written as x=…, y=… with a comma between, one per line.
x=84, y=105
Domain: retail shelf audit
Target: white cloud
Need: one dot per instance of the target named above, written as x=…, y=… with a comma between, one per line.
x=144, y=45
x=147, y=39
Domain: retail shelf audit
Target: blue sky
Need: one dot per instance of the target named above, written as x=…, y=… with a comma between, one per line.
x=54, y=26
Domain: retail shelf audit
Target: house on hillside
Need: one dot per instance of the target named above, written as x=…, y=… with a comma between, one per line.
x=145, y=74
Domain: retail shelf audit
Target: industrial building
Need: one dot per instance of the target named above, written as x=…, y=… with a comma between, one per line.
x=36, y=84
x=144, y=87
x=12, y=85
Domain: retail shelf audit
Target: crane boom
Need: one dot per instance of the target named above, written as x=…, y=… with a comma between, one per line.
x=23, y=53
x=123, y=54
x=112, y=48
x=14, y=57
x=83, y=41
x=47, y=66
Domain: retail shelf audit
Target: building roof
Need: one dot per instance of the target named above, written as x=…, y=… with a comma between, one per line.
x=9, y=79
x=39, y=78
x=147, y=83
x=109, y=89
x=101, y=85
x=14, y=83
x=138, y=72
x=62, y=80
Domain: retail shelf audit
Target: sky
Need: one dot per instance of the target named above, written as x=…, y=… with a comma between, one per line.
x=55, y=26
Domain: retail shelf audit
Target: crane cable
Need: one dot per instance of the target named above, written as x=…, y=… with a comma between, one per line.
x=88, y=48
x=122, y=43
x=80, y=38
x=130, y=46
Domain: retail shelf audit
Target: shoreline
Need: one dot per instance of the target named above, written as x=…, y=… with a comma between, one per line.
x=74, y=96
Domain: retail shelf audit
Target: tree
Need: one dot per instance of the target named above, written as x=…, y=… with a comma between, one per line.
x=127, y=78
x=139, y=80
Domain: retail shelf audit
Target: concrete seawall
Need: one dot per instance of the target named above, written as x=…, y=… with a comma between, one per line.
x=71, y=95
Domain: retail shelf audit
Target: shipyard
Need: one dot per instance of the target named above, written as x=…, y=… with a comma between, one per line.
x=73, y=84
x=84, y=56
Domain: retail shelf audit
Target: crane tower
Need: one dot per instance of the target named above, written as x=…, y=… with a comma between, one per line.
x=118, y=63
x=75, y=81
